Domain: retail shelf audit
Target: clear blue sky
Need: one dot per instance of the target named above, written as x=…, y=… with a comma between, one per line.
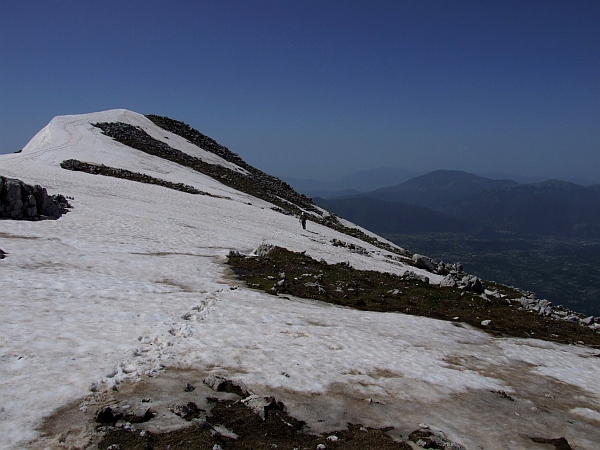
x=312, y=89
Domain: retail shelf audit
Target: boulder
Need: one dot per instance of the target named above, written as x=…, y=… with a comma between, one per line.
x=410, y=275
x=587, y=321
x=185, y=411
x=217, y=383
x=472, y=283
x=108, y=415
x=19, y=200
x=424, y=262
x=448, y=281
x=261, y=405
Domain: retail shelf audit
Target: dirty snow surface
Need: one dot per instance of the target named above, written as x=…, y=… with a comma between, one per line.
x=133, y=282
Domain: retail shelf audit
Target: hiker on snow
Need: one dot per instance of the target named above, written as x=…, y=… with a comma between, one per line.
x=303, y=220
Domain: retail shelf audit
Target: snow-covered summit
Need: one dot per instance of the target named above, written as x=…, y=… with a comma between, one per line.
x=133, y=281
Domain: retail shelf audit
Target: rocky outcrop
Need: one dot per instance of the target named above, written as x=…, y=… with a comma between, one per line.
x=471, y=283
x=101, y=169
x=21, y=201
x=256, y=182
x=350, y=246
x=543, y=307
x=424, y=262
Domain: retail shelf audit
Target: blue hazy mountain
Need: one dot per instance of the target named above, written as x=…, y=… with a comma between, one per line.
x=552, y=207
x=392, y=217
x=355, y=183
x=439, y=189
x=464, y=201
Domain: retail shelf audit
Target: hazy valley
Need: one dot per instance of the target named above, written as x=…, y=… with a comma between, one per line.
x=543, y=236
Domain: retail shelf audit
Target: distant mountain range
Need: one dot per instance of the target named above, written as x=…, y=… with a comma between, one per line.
x=393, y=217
x=452, y=200
x=353, y=184
x=550, y=208
x=439, y=189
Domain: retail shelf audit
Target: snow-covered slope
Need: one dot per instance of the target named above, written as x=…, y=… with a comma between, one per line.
x=133, y=281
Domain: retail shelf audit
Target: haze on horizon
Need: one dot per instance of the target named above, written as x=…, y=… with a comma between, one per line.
x=310, y=89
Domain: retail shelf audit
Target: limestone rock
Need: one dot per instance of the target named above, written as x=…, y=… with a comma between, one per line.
x=410, y=275
x=217, y=383
x=472, y=283
x=19, y=201
x=448, y=281
x=424, y=262
x=261, y=405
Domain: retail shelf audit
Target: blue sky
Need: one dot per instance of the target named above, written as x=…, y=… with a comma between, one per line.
x=317, y=89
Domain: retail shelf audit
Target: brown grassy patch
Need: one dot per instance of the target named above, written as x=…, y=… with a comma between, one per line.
x=366, y=290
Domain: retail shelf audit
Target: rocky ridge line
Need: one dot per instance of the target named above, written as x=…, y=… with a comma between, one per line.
x=101, y=169
x=257, y=183
x=455, y=277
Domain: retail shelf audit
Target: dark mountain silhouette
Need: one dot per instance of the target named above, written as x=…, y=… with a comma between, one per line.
x=390, y=217
x=594, y=188
x=550, y=208
x=362, y=181
x=439, y=189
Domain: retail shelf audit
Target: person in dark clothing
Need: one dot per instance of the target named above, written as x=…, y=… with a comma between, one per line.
x=303, y=220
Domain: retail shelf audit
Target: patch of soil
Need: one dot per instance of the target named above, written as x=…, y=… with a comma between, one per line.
x=232, y=425
x=282, y=272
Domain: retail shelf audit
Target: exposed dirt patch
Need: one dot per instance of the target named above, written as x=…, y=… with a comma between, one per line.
x=232, y=425
x=151, y=415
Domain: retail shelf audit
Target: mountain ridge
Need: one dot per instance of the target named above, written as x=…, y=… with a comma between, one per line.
x=438, y=189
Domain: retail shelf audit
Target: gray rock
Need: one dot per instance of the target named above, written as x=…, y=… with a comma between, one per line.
x=263, y=250
x=184, y=411
x=442, y=269
x=320, y=288
x=424, y=262
x=108, y=415
x=587, y=321
x=19, y=200
x=448, y=281
x=215, y=382
x=410, y=275
x=428, y=438
x=12, y=197
x=261, y=405
x=472, y=283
